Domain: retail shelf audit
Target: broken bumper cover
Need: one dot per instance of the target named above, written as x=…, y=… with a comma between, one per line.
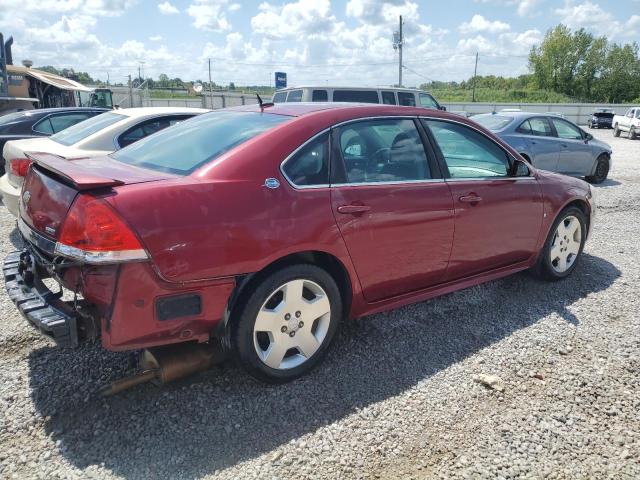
x=39, y=305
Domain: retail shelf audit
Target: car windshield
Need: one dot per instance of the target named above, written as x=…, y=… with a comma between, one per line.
x=82, y=130
x=603, y=114
x=493, y=122
x=185, y=147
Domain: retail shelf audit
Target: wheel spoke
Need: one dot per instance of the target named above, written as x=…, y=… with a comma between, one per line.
x=268, y=320
x=307, y=343
x=572, y=227
x=562, y=262
x=293, y=292
x=573, y=247
x=316, y=308
x=275, y=353
x=555, y=251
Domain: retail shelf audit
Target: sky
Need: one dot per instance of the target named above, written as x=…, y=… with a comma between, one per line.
x=346, y=42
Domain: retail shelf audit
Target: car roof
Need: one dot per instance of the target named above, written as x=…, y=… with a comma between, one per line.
x=41, y=112
x=350, y=87
x=522, y=115
x=150, y=111
x=344, y=110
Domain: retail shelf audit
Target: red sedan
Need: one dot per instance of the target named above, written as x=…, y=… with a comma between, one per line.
x=267, y=227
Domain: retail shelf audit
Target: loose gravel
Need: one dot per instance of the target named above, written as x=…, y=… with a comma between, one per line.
x=512, y=379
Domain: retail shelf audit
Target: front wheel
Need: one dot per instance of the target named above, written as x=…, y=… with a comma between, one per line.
x=616, y=130
x=602, y=171
x=632, y=133
x=287, y=323
x=563, y=247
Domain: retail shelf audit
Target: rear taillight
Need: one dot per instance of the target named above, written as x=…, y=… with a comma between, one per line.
x=19, y=166
x=94, y=233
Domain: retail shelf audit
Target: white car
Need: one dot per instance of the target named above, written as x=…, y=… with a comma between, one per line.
x=629, y=122
x=99, y=135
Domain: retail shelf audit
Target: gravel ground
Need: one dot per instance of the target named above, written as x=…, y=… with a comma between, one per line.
x=400, y=395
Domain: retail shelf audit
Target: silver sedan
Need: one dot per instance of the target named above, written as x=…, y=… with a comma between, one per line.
x=551, y=143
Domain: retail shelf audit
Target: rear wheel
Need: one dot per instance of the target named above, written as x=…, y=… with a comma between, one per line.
x=287, y=323
x=616, y=130
x=563, y=246
x=602, y=171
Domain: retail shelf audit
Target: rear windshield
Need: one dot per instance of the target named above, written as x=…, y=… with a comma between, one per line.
x=187, y=146
x=82, y=130
x=493, y=122
x=603, y=114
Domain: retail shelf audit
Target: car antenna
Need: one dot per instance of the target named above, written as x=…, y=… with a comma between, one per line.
x=262, y=104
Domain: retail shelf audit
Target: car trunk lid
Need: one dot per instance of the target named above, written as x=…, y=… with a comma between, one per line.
x=53, y=183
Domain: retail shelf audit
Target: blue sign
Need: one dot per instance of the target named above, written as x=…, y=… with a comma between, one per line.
x=281, y=80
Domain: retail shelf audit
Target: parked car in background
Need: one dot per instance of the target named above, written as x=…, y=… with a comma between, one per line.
x=409, y=97
x=41, y=123
x=99, y=135
x=601, y=118
x=629, y=122
x=551, y=143
x=268, y=226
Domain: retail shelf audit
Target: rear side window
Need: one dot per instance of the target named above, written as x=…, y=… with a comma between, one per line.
x=44, y=126
x=294, y=96
x=146, y=128
x=82, y=130
x=310, y=165
x=358, y=96
x=60, y=122
x=193, y=143
x=540, y=127
x=388, y=98
x=280, y=97
x=319, y=96
x=407, y=99
x=467, y=153
x=388, y=150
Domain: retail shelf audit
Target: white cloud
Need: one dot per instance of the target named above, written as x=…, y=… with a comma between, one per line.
x=523, y=7
x=592, y=17
x=167, y=8
x=209, y=15
x=156, y=38
x=480, y=24
x=303, y=17
x=234, y=7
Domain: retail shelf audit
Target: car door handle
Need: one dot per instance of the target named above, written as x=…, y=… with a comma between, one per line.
x=470, y=198
x=353, y=209
x=533, y=142
x=564, y=145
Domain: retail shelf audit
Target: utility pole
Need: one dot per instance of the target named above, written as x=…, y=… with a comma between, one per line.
x=397, y=45
x=475, y=72
x=210, y=84
x=400, y=55
x=130, y=93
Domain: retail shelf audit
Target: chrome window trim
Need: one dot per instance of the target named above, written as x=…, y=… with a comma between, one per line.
x=388, y=182
x=501, y=178
x=531, y=171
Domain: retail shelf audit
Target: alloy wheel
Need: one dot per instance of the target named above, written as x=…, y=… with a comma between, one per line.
x=566, y=244
x=292, y=324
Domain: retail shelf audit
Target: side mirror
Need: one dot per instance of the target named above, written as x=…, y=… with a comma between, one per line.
x=588, y=137
x=443, y=108
x=520, y=169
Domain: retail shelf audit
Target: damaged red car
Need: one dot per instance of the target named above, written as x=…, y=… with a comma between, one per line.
x=266, y=226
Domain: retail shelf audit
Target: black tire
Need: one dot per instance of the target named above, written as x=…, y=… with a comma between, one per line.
x=543, y=269
x=602, y=171
x=243, y=321
x=632, y=133
x=616, y=130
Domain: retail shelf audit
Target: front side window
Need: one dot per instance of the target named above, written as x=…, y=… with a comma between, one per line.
x=388, y=98
x=407, y=99
x=467, y=153
x=82, y=130
x=566, y=130
x=358, y=96
x=294, y=96
x=191, y=144
x=146, y=128
x=280, y=97
x=319, y=96
x=428, y=101
x=310, y=165
x=388, y=150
